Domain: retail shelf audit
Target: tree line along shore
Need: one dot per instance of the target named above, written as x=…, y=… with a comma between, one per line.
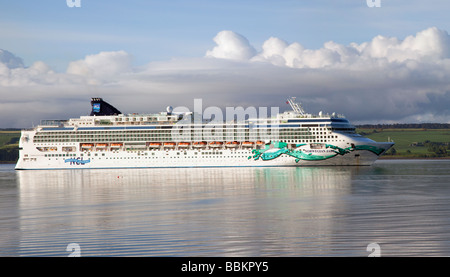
x=9, y=145
x=413, y=141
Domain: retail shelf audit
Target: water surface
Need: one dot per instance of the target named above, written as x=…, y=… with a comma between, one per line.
x=401, y=205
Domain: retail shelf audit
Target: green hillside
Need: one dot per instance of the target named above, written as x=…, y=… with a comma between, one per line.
x=9, y=144
x=412, y=143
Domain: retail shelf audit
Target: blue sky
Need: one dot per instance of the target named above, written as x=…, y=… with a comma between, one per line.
x=336, y=55
x=157, y=30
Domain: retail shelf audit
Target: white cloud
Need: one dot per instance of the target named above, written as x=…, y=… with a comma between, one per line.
x=382, y=80
x=279, y=52
x=104, y=65
x=431, y=44
x=428, y=46
x=231, y=45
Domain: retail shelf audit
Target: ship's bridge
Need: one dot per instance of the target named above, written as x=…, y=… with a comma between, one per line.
x=334, y=122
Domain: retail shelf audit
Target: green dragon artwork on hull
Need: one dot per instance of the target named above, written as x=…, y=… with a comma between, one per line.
x=280, y=148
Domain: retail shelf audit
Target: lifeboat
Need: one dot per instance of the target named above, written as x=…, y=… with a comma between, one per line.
x=247, y=144
x=260, y=142
x=215, y=144
x=232, y=144
x=101, y=145
x=154, y=144
x=86, y=145
x=116, y=144
x=183, y=144
x=169, y=144
x=199, y=144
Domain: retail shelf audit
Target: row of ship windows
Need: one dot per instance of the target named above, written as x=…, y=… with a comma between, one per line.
x=170, y=157
x=188, y=134
x=169, y=138
x=157, y=131
x=191, y=130
x=177, y=132
x=184, y=136
x=298, y=131
x=145, y=154
x=165, y=131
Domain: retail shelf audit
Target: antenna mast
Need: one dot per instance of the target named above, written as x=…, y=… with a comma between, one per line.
x=295, y=106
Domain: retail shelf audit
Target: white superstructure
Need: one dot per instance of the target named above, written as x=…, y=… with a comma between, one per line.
x=109, y=139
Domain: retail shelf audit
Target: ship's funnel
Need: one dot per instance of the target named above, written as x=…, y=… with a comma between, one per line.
x=100, y=107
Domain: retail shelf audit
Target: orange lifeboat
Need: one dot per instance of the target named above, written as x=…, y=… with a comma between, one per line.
x=259, y=142
x=169, y=144
x=247, y=144
x=199, y=144
x=116, y=144
x=232, y=144
x=154, y=144
x=215, y=144
x=183, y=144
x=101, y=144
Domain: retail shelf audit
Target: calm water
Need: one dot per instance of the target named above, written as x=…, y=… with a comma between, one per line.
x=402, y=206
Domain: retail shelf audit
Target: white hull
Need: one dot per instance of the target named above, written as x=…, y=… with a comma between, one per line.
x=184, y=158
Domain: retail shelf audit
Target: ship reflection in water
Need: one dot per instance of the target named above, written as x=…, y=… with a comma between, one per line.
x=298, y=211
x=210, y=211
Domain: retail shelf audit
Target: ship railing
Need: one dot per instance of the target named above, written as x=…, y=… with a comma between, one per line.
x=320, y=115
x=46, y=122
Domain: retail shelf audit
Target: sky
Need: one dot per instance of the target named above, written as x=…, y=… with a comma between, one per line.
x=386, y=64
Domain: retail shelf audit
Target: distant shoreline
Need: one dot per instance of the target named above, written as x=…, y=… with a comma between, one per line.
x=412, y=158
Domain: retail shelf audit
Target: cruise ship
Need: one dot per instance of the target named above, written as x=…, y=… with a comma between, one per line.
x=108, y=138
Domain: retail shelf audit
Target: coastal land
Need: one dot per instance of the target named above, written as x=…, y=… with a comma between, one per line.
x=9, y=145
x=412, y=141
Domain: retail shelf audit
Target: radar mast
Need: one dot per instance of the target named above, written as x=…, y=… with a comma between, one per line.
x=295, y=106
